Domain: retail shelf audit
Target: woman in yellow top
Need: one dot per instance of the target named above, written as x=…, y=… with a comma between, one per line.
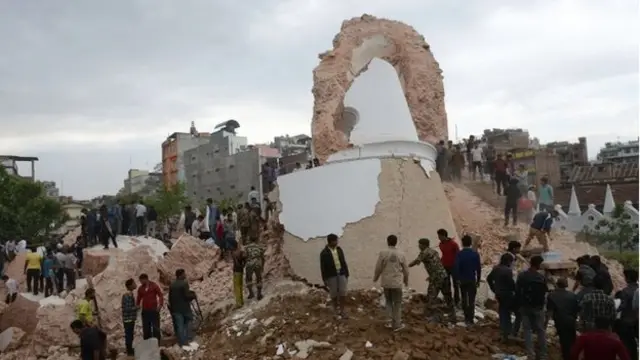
x=32, y=267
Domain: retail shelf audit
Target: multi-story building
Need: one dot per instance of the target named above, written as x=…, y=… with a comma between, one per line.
x=137, y=180
x=619, y=152
x=173, y=149
x=50, y=189
x=291, y=145
x=10, y=164
x=225, y=168
x=504, y=140
x=570, y=155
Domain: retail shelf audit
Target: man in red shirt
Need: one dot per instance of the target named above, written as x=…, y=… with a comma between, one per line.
x=500, y=174
x=599, y=344
x=150, y=300
x=450, y=249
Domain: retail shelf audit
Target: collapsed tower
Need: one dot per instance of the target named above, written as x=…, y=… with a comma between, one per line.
x=379, y=108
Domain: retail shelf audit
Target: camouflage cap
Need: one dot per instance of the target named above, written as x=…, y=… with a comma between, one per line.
x=423, y=241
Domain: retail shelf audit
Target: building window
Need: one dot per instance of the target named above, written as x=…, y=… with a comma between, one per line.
x=231, y=166
x=217, y=169
x=232, y=186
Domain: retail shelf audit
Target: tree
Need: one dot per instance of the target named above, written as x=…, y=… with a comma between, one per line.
x=25, y=210
x=616, y=230
x=168, y=201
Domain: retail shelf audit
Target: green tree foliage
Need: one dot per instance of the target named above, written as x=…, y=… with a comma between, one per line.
x=25, y=210
x=168, y=201
x=616, y=231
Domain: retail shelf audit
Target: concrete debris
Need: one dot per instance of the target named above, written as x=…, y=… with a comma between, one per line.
x=10, y=339
x=348, y=354
x=20, y=314
x=147, y=350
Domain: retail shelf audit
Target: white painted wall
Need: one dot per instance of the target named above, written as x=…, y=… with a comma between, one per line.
x=322, y=200
x=378, y=97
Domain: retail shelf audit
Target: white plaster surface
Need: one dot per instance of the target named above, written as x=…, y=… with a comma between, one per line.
x=322, y=200
x=410, y=149
x=378, y=97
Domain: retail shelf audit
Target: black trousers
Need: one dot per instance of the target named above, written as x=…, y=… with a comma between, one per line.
x=150, y=324
x=33, y=280
x=129, y=328
x=567, y=336
x=48, y=286
x=502, y=180
x=628, y=334
x=11, y=298
x=140, y=225
x=60, y=279
x=456, y=286
x=468, y=290
x=511, y=209
x=71, y=278
x=104, y=240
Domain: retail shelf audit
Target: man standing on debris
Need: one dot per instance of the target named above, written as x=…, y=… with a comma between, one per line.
x=540, y=228
x=254, y=225
x=69, y=264
x=152, y=221
x=450, y=249
x=212, y=216
x=229, y=232
x=456, y=164
x=150, y=300
x=584, y=276
x=200, y=229
x=477, y=157
x=437, y=277
x=49, y=270
x=501, y=283
x=254, y=195
x=243, y=221
x=129, y=315
x=254, y=266
x=393, y=272
x=106, y=231
x=545, y=195
x=180, y=297
x=531, y=291
x=468, y=269
x=187, y=219
x=12, y=289
x=335, y=273
x=602, y=271
x=500, y=174
x=512, y=196
x=627, y=327
x=141, y=212
x=562, y=306
x=32, y=268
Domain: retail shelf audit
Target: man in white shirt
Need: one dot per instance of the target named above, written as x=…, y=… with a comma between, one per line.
x=12, y=289
x=477, y=155
x=253, y=195
x=141, y=211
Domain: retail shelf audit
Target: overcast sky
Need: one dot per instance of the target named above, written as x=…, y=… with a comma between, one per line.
x=93, y=87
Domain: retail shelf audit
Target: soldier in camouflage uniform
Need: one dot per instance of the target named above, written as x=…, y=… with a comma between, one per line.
x=438, y=280
x=253, y=232
x=254, y=254
x=243, y=222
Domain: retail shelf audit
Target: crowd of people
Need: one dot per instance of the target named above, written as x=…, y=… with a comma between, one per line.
x=589, y=309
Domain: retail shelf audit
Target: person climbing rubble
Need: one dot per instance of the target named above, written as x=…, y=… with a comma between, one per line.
x=254, y=267
x=200, y=229
x=437, y=277
x=11, y=286
x=562, y=306
x=502, y=284
x=180, y=297
x=449, y=249
x=129, y=315
x=392, y=271
x=239, y=262
x=540, y=228
x=150, y=301
x=335, y=274
x=468, y=270
x=93, y=341
x=84, y=309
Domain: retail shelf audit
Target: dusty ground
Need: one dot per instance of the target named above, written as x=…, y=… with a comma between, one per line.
x=303, y=317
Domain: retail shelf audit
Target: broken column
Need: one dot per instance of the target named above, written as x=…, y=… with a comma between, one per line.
x=383, y=184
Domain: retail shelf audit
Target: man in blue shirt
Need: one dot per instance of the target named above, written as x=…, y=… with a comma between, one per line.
x=540, y=228
x=467, y=270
